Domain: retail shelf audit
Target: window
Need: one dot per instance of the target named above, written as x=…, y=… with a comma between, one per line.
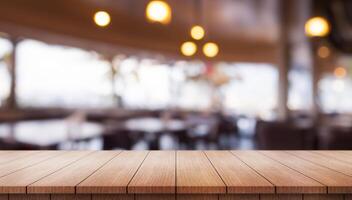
x=5, y=79
x=252, y=89
x=143, y=83
x=300, y=89
x=58, y=76
x=335, y=89
x=335, y=94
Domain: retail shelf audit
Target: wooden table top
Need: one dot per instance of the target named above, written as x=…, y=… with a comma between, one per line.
x=181, y=172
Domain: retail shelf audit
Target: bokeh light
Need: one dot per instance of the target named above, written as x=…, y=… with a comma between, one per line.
x=197, y=32
x=102, y=18
x=188, y=48
x=340, y=72
x=158, y=11
x=210, y=49
x=323, y=52
x=317, y=27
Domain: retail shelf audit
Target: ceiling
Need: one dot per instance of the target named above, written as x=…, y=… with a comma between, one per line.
x=246, y=30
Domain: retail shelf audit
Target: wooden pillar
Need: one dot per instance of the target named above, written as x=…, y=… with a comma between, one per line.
x=11, y=100
x=284, y=58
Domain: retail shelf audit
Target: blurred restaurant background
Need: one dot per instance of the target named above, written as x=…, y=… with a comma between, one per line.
x=175, y=74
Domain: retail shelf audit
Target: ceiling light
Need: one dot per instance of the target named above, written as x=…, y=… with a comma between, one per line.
x=197, y=32
x=188, y=48
x=102, y=18
x=158, y=11
x=317, y=27
x=210, y=49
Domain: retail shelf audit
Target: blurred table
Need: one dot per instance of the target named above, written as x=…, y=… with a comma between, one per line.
x=153, y=128
x=155, y=125
x=48, y=134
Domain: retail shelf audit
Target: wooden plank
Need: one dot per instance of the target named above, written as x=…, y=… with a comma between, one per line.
x=281, y=197
x=18, y=181
x=29, y=160
x=115, y=175
x=195, y=174
x=239, y=197
x=70, y=197
x=155, y=197
x=325, y=161
x=29, y=197
x=238, y=177
x=323, y=197
x=147, y=180
x=112, y=197
x=197, y=197
x=66, y=179
x=4, y=196
x=286, y=180
x=335, y=181
x=8, y=156
x=338, y=155
x=348, y=197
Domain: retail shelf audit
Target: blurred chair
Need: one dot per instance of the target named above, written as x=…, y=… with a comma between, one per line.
x=117, y=137
x=335, y=138
x=203, y=129
x=284, y=136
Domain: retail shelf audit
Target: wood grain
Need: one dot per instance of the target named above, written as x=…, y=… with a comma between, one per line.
x=155, y=197
x=112, y=197
x=285, y=179
x=70, y=197
x=247, y=181
x=115, y=175
x=23, y=162
x=18, y=181
x=323, y=197
x=157, y=174
x=4, y=196
x=325, y=161
x=335, y=181
x=195, y=174
x=197, y=197
x=29, y=197
x=66, y=179
x=281, y=197
x=8, y=156
x=239, y=197
x=338, y=155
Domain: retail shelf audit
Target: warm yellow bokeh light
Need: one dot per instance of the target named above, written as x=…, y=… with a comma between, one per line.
x=317, y=27
x=197, y=32
x=188, y=48
x=102, y=18
x=323, y=52
x=210, y=49
x=340, y=72
x=158, y=11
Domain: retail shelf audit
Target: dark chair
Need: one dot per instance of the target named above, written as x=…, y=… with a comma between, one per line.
x=116, y=136
x=335, y=138
x=284, y=136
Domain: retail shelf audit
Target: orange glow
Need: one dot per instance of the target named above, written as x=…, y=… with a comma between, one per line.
x=188, y=48
x=102, y=18
x=317, y=27
x=197, y=32
x=210, y=49
x=340, y=72
x=158, y=11
x=323, y=52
